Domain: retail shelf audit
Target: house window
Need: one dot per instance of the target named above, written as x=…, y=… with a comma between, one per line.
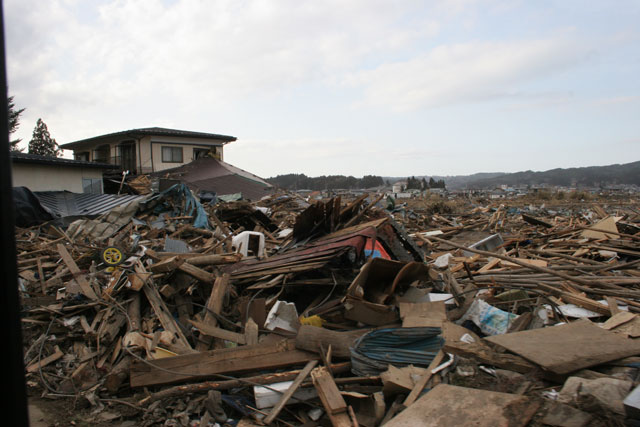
x=199, y=153
x=92, y=185
x=83, y=156
x=102, y=153
x=172, y=154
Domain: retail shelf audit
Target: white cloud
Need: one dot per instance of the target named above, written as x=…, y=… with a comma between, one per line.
x=143, y=56
x=466, y=72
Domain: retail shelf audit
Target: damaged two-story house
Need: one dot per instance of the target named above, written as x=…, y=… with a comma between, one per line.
x=148, y=150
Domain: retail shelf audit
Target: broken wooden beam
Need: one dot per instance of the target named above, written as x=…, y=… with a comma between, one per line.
x=213, y=307
x=310, y=338
x=85, y=286
x=165, y=317
x=268, y=378
x=220, y=333
x=207, y=364
x=330, y=397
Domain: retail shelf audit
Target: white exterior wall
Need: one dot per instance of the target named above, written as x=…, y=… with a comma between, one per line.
x=37, y=177
x=156, y=143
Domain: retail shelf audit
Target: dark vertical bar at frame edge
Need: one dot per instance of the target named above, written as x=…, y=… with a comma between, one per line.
x=15, y=397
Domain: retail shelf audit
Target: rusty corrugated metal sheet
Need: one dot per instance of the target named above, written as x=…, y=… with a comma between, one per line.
x=308, y=257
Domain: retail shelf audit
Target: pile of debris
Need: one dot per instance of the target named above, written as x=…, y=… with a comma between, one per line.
x=177, y=312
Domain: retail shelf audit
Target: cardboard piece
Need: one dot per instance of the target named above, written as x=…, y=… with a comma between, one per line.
x=422, y=314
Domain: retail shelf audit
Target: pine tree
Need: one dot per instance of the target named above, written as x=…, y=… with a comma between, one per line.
x=42, y=143
x=14, y=123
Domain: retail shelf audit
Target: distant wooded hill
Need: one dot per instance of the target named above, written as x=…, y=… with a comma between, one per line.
x=592, y=176
x=294, y=181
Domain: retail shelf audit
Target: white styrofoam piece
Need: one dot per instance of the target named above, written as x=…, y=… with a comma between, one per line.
x=266, y=398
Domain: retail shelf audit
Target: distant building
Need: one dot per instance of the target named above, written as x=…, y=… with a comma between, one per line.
x=398, y=187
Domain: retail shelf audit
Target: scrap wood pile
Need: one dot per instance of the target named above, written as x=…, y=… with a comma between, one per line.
x=167, y=311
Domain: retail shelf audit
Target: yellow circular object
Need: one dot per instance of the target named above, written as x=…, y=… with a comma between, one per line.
x=112, y=256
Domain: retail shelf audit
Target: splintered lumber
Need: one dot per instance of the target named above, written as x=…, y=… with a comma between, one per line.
x=199, y=366
x=577, y=299
x=85, y=286
x=196, y=272
x=535, y=221
x=485, y=354
x=214, y=306
x=165, y=317
x=251, y=332
x=547, y=270
x=567, y=348
x=166, y=265
x=330, y=397
x=290, y=391
x=310, y=338
x=422, y=382
x=214, y=259
x=269, y=378
x=216, y=332
x=448, y=405
x=57, y=354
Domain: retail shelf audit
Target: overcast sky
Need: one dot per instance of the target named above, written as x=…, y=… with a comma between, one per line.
x=352, y=87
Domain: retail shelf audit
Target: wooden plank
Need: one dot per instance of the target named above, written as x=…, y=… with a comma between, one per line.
x=422, y=383
x=57, y=354
x=579, y=300
x=489, y=265
x=165, y=317
x=485, y=354
x=214, y=306
x=251, y=332
x=613, y=305
x=330, y=397
x=448, y=405
x=166, y=265
x=216, y=332
x=618, y=319
x=290, y=391
x=546, y=270
x=85, y=286
x=268, y=378
x=198, y=273
x=43, y=285
x=199, y=366
x=214, y=259
x=567, y=348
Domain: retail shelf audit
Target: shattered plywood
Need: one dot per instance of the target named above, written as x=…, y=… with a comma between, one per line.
x=566, y=348
x=448, y=405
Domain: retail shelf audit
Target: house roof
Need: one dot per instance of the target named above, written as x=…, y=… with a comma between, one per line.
x=64, y=203
x=209, y=174
x=17, y=157
x=152, y=131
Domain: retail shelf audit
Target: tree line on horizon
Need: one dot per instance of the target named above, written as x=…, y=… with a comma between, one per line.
x=295, y=181
x=414, y=183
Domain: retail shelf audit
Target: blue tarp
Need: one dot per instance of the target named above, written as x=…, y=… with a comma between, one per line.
x=374, y=351
x=191, y=204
